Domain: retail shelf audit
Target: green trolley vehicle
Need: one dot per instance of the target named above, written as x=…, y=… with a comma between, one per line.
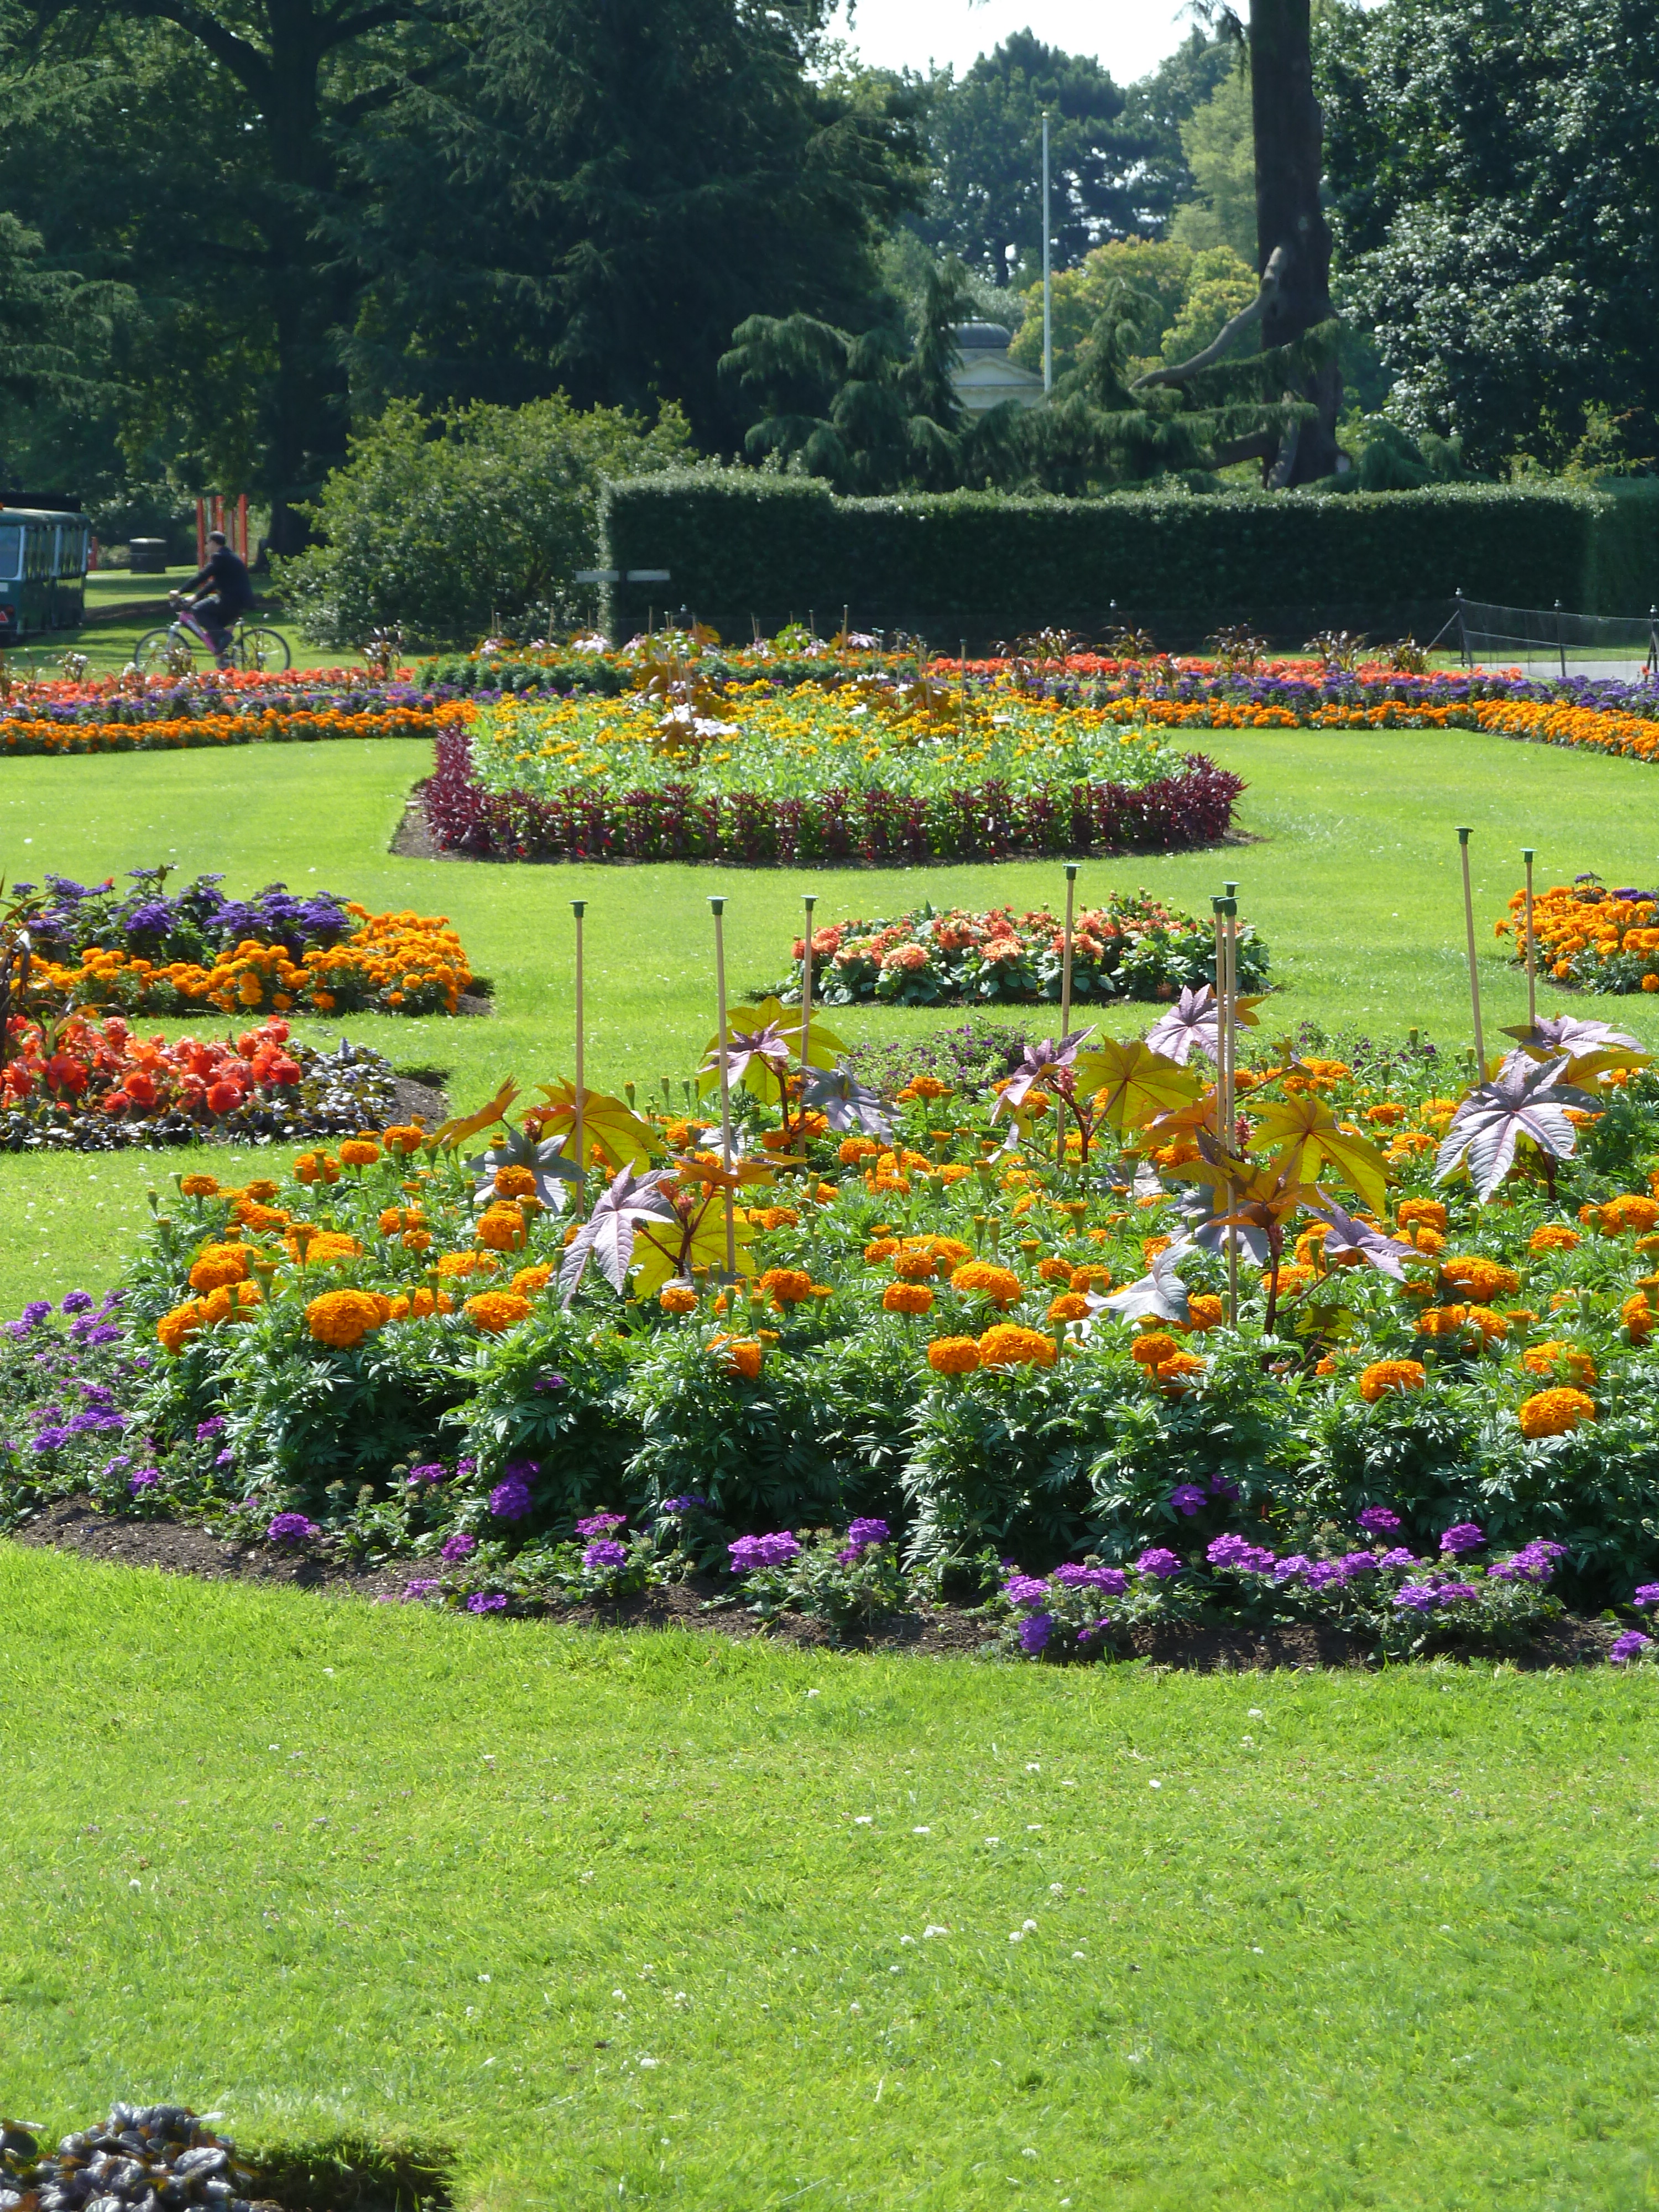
x=42, y=571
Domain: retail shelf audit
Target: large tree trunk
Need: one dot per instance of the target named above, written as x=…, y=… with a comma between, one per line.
x=1289, y=161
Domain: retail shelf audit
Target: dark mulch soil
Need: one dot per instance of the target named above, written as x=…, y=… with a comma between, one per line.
x=76, y=1524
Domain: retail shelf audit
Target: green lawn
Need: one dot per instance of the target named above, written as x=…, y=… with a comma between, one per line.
x=1354, y=881
x=337, y=1871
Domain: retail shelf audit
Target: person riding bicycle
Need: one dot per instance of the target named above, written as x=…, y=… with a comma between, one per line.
x=228, y=600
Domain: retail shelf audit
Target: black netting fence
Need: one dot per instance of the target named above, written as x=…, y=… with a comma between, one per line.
x=1553, y=641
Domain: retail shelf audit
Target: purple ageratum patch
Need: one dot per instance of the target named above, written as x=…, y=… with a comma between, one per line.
x=479, y=1603
x=1631, y=1645
x=1462, y=1536
x=1187, y=1498
x=206, y=1431
x=750, y=1553
x=51, y=1439
x=1646, y=1594
x=603, y=1554
x=1034, y=1632
x=1327, y=1574
x=601, y=1524
x=292, y=1528
x=1400, y=1557
x=1360, y=1563
x=143, y=1479
x=1162, y=1565
x=457, y=1547
x=1240, y=1555
x=429, y=1471
x=510, y=1499
x=78, y=1302
x=422, y=1587
x=36, y=1311
x=1025, y=1590
x=1454, y=1593
x=1292, y=1567
x=1379, y=1521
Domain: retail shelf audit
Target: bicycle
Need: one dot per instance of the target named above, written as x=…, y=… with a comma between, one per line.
x=183, y=646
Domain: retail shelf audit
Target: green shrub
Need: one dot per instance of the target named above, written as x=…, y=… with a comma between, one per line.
x=449, y=529
x=741, y=546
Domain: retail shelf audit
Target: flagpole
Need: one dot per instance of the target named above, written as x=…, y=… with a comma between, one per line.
x=1066, y=998
x=809, y=900
x=1475, y=979
x=1228, y=1039
x=1532, y=950
x=717, y=905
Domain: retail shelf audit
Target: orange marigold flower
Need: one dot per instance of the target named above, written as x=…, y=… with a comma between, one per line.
x=219, y=1263
x=1636, y=1315
x=251, y=1215
x=359, y=1152
x=514, y=1182
x=883, y=1248
x=496, y=1310
x=1326, y=1366
x=1175, y=1374
x=1292, y=1277
x=1384, y=1377
x=1420, y=1213
x=316, y=1167
x=198, y=1186
x=1442, y=1321
x=1548, y=1359
x=405, y=1137
x=979, y=1279
x=743, y=1356
x=344, y=1318
x=1554, y=1412
x=1553, y=1236
x=906, y=1299
x=678, y=1298
x=1055, y=1270
x=854, y=1149
x=790, y=1287
x=528, y=1280
x=953, y=1355
x=776, y=1216
x=262, y=1190
x=1152, y=1247
x=1480, y=1278
x=1491, y=1325
x=1069, y=1305
x=501, y=1229
x=948, y=1252
x=1007, y=1345
x=466, y=1263
x=915, y=1265
x=1091, y=1278
x=173, y=1329
x=1204, y=1311
x=1384, y=1116
x=1621, y=1214
x=1153, y=1348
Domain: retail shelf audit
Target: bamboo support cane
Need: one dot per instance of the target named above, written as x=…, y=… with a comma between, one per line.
x=1463, y=836
x=1065, y=996
x=577, y=907
x=1227, y=1039
x=1532, y=948
x=809, y=900
x=717, y=905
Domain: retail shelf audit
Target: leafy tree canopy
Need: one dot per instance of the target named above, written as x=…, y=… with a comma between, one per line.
x=1496, y=168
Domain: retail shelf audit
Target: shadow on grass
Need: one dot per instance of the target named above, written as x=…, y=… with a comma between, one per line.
x=351, y=2175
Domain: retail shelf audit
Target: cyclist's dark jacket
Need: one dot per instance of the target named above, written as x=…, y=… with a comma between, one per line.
x=233, y=587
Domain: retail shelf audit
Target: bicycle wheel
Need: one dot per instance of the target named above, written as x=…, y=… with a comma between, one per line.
x=262, y=649
x=170, y=652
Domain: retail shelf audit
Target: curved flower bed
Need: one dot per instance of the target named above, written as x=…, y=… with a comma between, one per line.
x=948, y=1325
x=1602, y=940
x=266, y=725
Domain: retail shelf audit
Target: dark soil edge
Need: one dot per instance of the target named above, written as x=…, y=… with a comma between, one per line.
x=76, y=1524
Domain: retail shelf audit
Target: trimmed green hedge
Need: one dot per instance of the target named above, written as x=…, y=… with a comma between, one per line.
x=743, y=547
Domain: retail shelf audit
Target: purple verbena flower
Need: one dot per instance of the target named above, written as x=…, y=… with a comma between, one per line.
x=1400, y=1557
x=1112, y=1580
x=601, y=1524
x=510, y=1499
x=51, y=1439
x=457, y=1547
x=1157, y=1563
x=1034, y=1632
x=1359, y=1563
x=1327, y=1574
x=36, y=1311
x=1414, y=1597
x=545, y=1383
x=1453, y=1593
x=1024, y=1590
x=206, y=1431
x=1187, y=1498
x=751, y=1552
x=1629, y=1646
x=1646, y=1594
x=1223, y=1485
x=143, y=1479
x=422, y=1587
x=1292, y=1566
x=78, y=1302
x=863, y=1536
x=1379, y=1521
x=479, y=1603
x=689, y=1503
x=292, y=1528
x=603, y=1554
x=1462, y=1536
x=429, y=1471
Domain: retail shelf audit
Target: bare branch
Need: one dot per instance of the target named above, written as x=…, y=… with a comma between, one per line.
x=1277, y=264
